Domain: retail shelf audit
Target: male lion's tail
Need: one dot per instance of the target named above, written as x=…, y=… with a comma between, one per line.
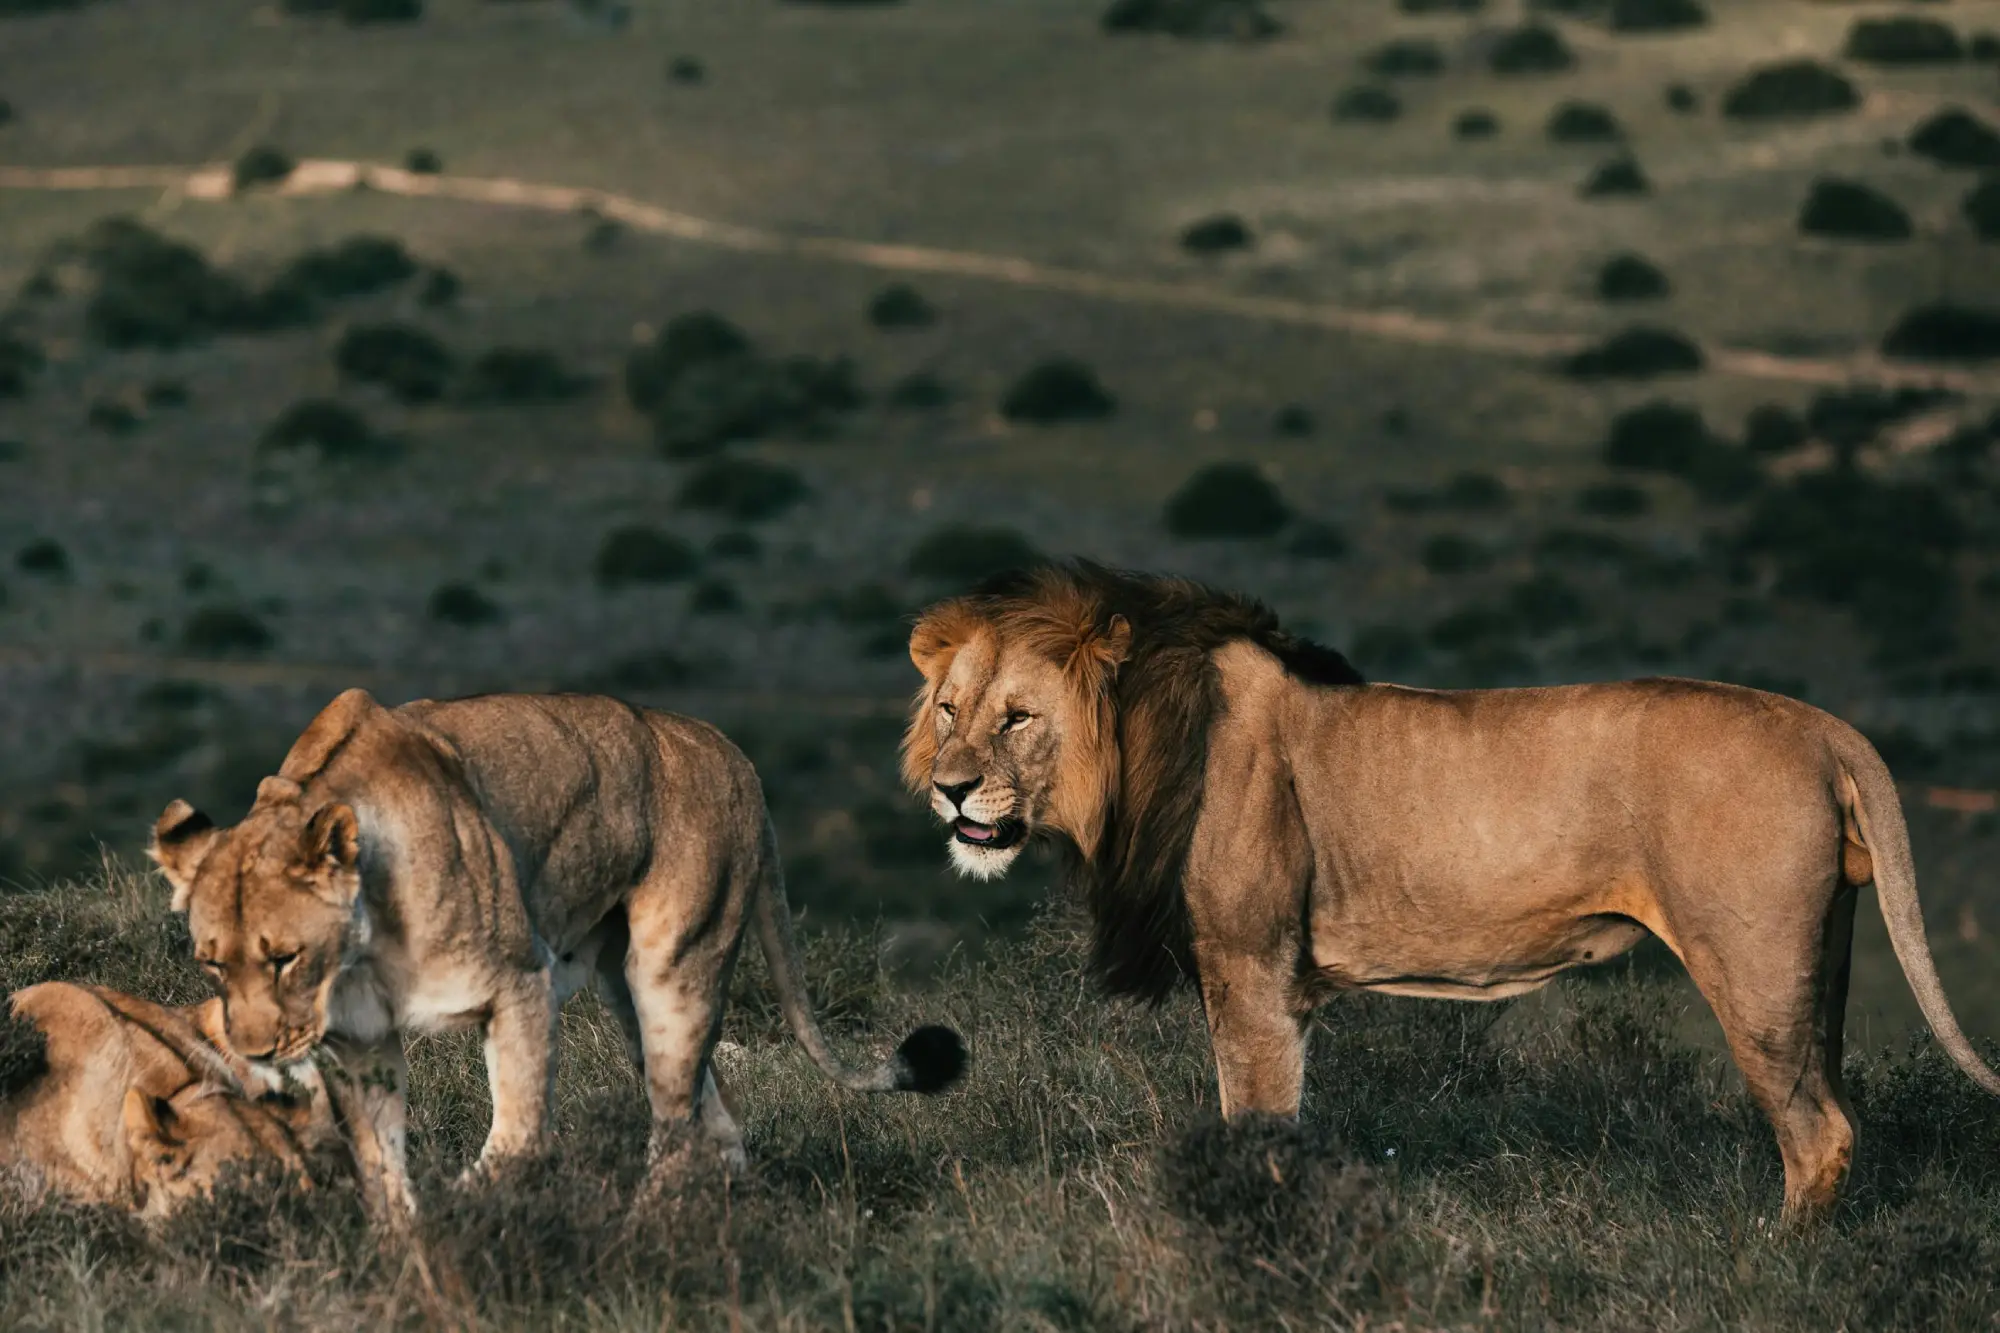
x=1871, y=798
x=929, y=1060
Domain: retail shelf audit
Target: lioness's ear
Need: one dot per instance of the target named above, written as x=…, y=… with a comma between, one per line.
x=330, y=848
x=182, y=838
x=149, y=1122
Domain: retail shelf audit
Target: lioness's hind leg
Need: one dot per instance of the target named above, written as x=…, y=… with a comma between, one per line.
x=1783, y=1024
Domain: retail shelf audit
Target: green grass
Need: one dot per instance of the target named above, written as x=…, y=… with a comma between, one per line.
x=1542, y=1164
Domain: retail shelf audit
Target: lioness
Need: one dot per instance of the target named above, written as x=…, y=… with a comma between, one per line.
x=1240, y=810
x=477, y=861
x=137, y=1104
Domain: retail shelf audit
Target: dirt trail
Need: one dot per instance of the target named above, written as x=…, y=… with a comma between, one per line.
x=328, y=176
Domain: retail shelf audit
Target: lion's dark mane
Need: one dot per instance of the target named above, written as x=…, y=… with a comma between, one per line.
x=1166, y=696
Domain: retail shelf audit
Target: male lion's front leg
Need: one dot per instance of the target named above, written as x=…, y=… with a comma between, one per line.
x=365, y=1081
x=520, y=1068
x=1258, y=1035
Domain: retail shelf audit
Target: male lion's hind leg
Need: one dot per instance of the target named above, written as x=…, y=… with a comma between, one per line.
x=1783, y=1020
x=365, y=1083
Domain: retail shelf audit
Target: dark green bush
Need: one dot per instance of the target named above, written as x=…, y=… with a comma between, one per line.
x=1059, y=389
x=1241, y=20
x=216, y=631
x=1790, y=88
x=742, y=489
x=1532, y=48
x=463, y=605
x=21, y=359
x=1226, y=500
x=1475, y=123
x=408, y=361
x=357, y=266
x=901, y=306
x=1630, y=277
x=1657, y=15
x=714, y=597
x=1405, y=57
x=1216, y=235
x=1954, y=137
x=1945, y=332
x=1638, y=352
x=1619, y=178
x=261, y=164
x=440, y=287
x=685, y=341
x=1583, y=122
x=360, y=12
x=968, y=552
x=520, y=375
x=1294, y=419
x=330, y=428
x=1679, y=97
x=423, y=161
x=1981, y=208
x=1369, y=103
x=640, y=554
x=1850, y=211
x=1903, y=39
x=44, y=556
x=1770, y=429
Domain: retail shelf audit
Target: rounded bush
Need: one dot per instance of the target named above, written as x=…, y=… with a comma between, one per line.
x=686, y=340
x=216, y=631
x=969, y=552
x=1532, y=48
x=1452, y=553
x=1954, y=137
x=44, y=556
x=1583, y=122
x=330, y=428
x=261, y=164
x=1770, y=429
x=1643, y=16
x=463, y=605
x=1240, y=20
x=1981, y=208
x=1904, y=39
x=1367, y=103
x=686, y=70
x=1475, y=123
x=1226, y=500
x=1059, y=389
x=901, y=306
x=1619, y=178
x=640, y=554
x=715, y=597
x=742, y=489
x=21, y=359
x=440, y=287
x=1294, y=419
x=518, y=375
x=1214, y=235
x=408, y=361
x=423, y=161
x=1405, y=57
x=1680, y=98
x=1945, y=331
x=1850, y=211
x=1790, y=88
x=360, y=12
x=356, y=266
x=1638, y=352
x=1630, y=277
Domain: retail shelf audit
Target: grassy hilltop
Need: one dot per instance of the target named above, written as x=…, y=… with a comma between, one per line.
x=1494, y=343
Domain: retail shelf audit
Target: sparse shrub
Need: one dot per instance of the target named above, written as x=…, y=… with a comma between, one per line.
x=1850, y=211
x=359, y=12
x=1532, y=48
x=423, y=161
x=641, y=554
x=1954, y=137
x=1657, y=15
x=518, y=375
x=1452, y=553
x=1405, y=57
x=356, y=266
x=1981, y=208
x=1945, y=332
x=463, y=605
x=901, y=306
x=921, y=391
x=1680, y=98
x=1242, y=20
x=1294, y=419
x=1638, y=352
x=1583, y=122
x=440, y=287
x=1630, y=277
x=261, y=164
x=1059, y=389
x=1621, y=177
x=1316, y=539
x=1770, y=430
x=686, y=70
x=1226, y=500
x=742, y=489
x=1613, y=499
x=218, y=631
x=408, y=361
x=969, y=552
x=1215, y=235
x=335, y=431
x=1790, y=88
x=21, y=359
x=1904, y=39
x=715, y=597
x=113, y=416
x=1475, y=123
x=44, y=556
x=685, y=341
x=1369, y=103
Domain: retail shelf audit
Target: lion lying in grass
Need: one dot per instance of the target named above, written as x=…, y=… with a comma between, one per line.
x=475, y=862
x=131, y=1103
x=1241, y=811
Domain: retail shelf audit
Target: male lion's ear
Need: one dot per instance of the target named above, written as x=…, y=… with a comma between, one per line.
x=182, y=838
x=1114, y=645
x=940, y=632
x=1099, y=652
x=330, y=846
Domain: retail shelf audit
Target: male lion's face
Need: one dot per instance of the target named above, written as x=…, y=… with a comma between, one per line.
x=182, y=1144
x=269, y=904
x=1003, y=739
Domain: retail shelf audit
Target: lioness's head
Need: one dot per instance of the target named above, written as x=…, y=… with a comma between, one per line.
x=182, y=1144
x=1011, y=733
x=270, y=904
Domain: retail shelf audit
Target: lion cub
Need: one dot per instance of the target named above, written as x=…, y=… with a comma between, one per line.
x=142, y=1106
x=476, y=862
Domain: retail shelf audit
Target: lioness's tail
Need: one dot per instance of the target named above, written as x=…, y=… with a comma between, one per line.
x=1871, y=796
x=929, y=1060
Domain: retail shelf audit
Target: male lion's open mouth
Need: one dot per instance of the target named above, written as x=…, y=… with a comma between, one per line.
x=995, y=836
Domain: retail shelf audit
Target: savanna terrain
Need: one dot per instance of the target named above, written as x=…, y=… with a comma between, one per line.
x=683, y=350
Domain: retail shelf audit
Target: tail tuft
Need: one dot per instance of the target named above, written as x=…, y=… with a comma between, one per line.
x=930, y=1060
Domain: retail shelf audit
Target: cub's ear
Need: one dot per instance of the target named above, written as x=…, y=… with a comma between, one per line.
x=330, y=851
x=182, y=838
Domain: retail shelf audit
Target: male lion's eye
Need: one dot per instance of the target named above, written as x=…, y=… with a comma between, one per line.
x=947, y=709
x=280, y=961
x=1017, y=719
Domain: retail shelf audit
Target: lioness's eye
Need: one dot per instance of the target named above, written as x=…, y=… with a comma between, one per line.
x=280, y=961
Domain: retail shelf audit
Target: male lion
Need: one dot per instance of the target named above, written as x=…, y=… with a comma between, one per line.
x=1239, y=809
x=136, y=1104
x=478, y=861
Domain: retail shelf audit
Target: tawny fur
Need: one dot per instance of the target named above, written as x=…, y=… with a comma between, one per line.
x=144, y=1107
x=1243, y=813
x=475, y=862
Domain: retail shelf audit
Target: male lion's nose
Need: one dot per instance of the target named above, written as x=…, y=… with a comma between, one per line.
x=956, y=792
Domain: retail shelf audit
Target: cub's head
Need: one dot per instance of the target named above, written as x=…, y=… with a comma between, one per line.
x=182, y=1144
x=270, y=905
x=1013, y=732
